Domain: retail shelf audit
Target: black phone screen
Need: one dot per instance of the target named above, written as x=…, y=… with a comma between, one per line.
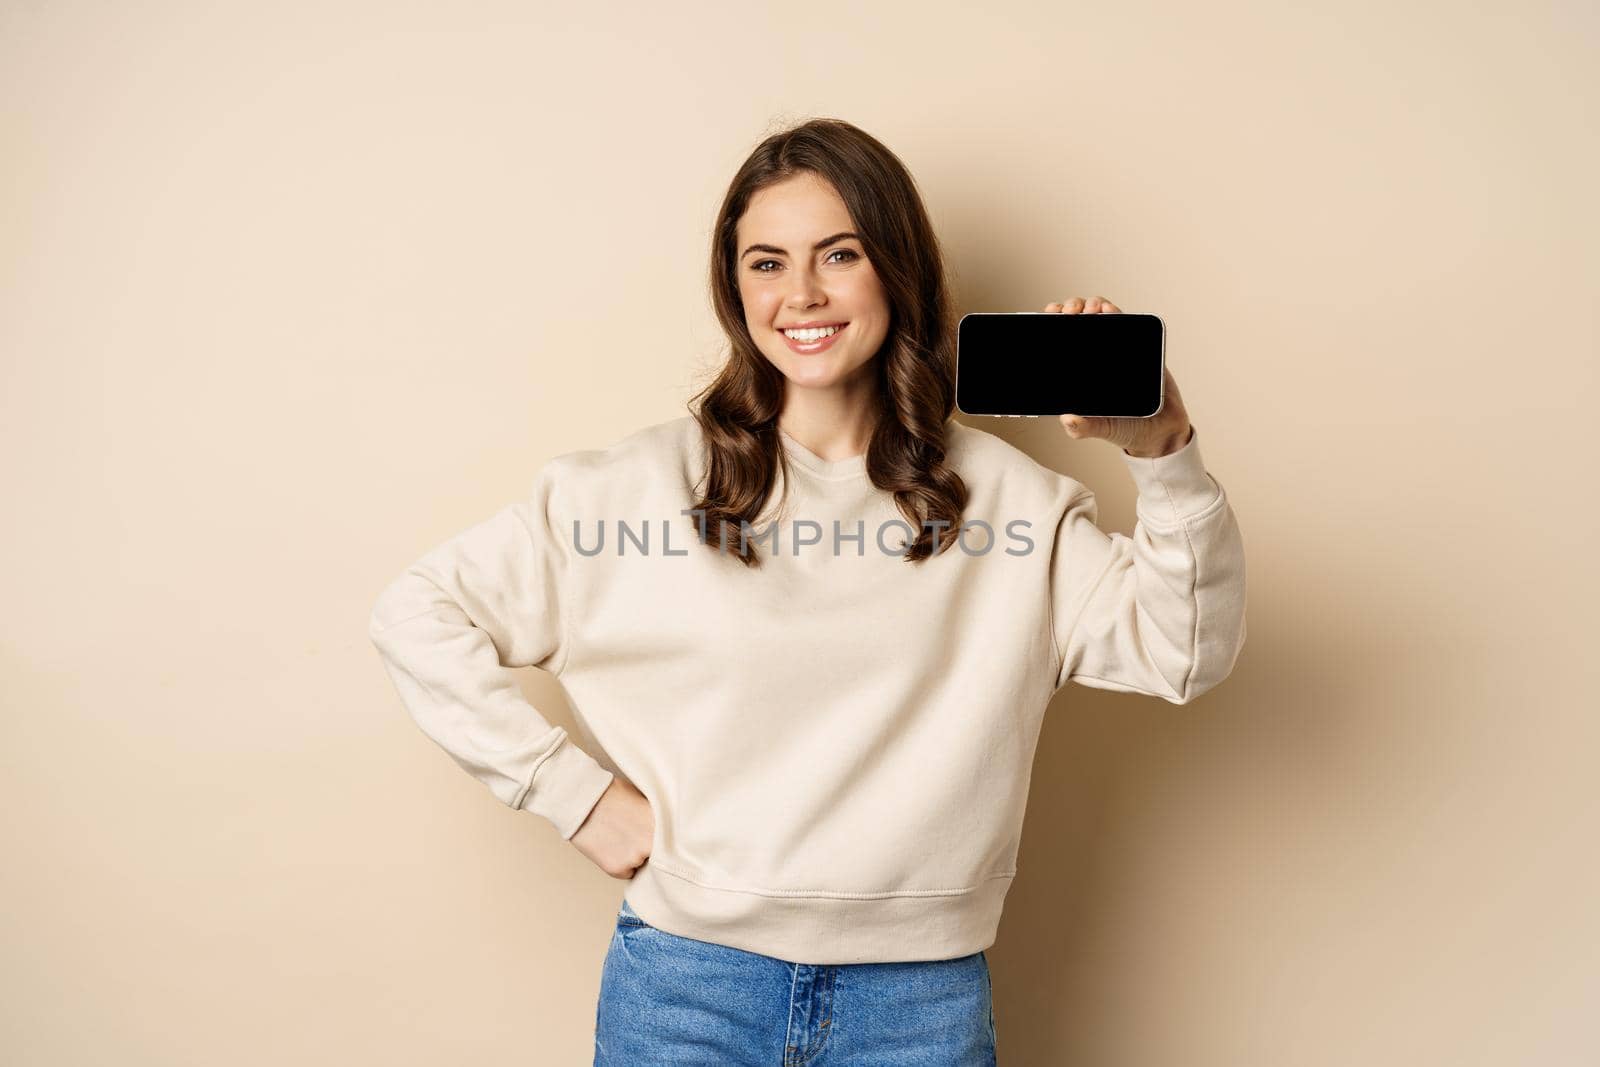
x=1041, y=363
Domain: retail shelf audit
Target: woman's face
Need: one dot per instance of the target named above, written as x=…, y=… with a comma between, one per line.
x=786, y=280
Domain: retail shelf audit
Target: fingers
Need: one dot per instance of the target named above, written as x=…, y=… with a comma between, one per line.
x=1080, y=426
x=1094, y=305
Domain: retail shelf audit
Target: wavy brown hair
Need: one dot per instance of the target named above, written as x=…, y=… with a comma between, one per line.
x=915, y=368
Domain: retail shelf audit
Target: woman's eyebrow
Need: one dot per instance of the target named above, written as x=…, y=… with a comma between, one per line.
x=819, y=246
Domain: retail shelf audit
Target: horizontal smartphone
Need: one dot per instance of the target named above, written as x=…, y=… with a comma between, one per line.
x=1043, y=363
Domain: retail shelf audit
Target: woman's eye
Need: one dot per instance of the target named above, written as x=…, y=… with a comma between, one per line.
x=757, y=266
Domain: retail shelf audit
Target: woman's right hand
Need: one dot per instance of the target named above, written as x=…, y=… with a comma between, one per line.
x=619, y=831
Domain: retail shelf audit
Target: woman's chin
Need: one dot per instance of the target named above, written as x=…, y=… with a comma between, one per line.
x=817, y=372
x=814, y=378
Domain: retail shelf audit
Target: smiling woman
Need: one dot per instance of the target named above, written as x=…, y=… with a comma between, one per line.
x=830, y=286
x=822, y=753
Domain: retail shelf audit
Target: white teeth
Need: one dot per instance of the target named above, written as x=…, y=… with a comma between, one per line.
x=812, y=335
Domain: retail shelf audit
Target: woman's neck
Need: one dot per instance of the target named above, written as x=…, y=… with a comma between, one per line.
x=832, y=435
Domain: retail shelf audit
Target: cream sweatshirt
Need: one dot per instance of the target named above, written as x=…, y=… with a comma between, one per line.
x=836, y=746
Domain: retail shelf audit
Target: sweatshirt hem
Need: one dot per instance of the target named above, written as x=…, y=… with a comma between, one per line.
x=824, y=928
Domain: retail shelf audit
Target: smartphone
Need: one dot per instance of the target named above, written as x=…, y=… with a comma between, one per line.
x=1016, y=363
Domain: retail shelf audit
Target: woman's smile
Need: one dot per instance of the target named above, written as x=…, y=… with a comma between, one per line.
x=809, y=347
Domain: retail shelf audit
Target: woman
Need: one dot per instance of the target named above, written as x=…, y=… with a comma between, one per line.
x=820, y=685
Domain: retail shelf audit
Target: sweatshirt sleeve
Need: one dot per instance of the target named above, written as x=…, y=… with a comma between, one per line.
x=452, y=627
x=1160, y=612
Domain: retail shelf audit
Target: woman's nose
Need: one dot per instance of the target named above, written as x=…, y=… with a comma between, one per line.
x=807, y=291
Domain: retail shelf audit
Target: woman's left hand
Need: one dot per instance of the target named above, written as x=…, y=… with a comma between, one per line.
x=1166, y=431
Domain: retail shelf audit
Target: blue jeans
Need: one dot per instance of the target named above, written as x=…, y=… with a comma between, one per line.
x=666, y=999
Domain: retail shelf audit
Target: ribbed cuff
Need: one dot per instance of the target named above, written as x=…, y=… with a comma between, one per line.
x=1175, y=487
x=566, y=787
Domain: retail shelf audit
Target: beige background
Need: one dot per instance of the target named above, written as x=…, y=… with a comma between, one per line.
x=289, y=293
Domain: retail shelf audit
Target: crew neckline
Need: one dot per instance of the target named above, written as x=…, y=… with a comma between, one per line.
x=849, y=467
